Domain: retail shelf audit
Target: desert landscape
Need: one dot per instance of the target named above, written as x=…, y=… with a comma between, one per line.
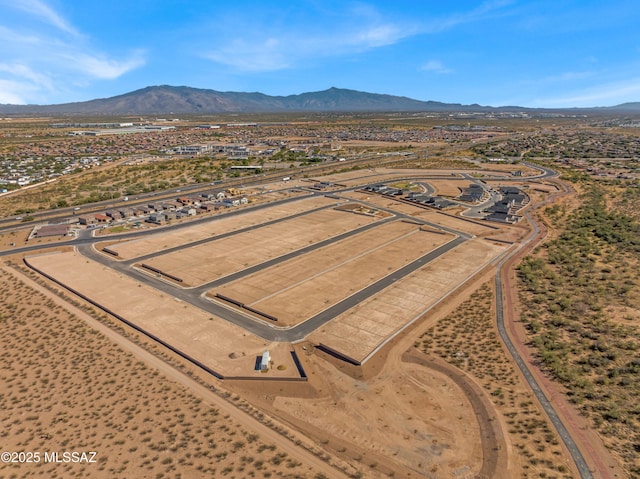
x=337, y=324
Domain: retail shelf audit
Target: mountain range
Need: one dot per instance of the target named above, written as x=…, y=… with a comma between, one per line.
x=166, y=99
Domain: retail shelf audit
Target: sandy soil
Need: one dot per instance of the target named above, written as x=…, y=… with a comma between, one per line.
x=415, y=416
x=19, y=238
x=219, y=258
x=222, y=346
x=385, y=202
x=358, y=332
x=298, y=289
x=477, y=227
x=218, y=225
x=70, y=387
x=413, y=401
x=449, y=187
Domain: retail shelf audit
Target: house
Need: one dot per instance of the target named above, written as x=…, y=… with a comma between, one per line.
x=100, y=218
x=87, y=220
x=472, y=194
x=157, y=218
x=207, y=208
x=52, y=230
x=113, y=214
x=187, y=211
x=228, y=202
x=502, y=217
x=126, y=212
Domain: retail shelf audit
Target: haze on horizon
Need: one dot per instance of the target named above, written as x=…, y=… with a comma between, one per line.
x=575, y=53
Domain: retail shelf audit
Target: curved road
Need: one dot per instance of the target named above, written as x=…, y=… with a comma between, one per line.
x=576, y=455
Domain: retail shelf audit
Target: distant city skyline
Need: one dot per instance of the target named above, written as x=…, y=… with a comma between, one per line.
x=531, y=53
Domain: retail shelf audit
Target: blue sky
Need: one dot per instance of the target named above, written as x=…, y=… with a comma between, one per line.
x=545, y=53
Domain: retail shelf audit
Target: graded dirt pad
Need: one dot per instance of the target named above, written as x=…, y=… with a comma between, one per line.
x=474, y=227
x=203, y=263
x=218, y=225
x=449, y=187
x=410, y=415
x=18, y=238
x=382, y=201
x=300, y=288
x=222, y=346
x=357, y=332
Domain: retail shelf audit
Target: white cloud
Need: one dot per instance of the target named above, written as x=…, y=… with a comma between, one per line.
x=356, y=29
x=24, y=72
x=45, y=13
x=268, y=55
x=11, y=36
x=13, y=92
x=436, y=67
x=378, y=36
x=485, y=11
x=21, y=84
x=98, y=66
x=277, y=53
x=36, y=63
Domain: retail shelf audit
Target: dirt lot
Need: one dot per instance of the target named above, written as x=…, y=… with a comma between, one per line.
x=449, y=187
x=410, y=416
x=477, y=227
x=385, y=202
x=218, y=258
x=218, y=225
x=423, y=422
x=300, y=288
x=225, y=348
x=399, y=416
x=359, y=331
x=19, y=238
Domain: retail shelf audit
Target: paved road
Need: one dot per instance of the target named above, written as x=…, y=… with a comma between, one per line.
x=267, y=330
x=578, y=458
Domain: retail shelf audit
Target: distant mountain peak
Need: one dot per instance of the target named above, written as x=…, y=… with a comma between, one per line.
x=161, y=99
